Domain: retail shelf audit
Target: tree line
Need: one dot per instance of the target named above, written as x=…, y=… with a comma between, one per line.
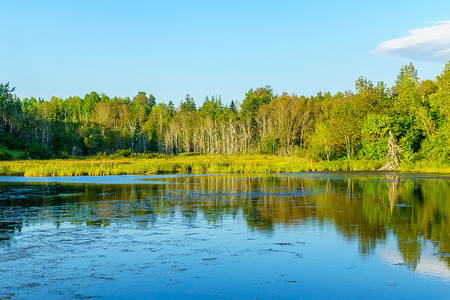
x=348, y=125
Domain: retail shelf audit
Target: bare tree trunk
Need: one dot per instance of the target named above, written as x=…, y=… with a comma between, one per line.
x=393, y=155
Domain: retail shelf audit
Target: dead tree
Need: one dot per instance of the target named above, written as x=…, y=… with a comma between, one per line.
x=392, y=156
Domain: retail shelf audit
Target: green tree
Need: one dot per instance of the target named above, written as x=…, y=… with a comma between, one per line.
x=322, y=143
x=440, y=100
x=375, y=135
x=256, y=98
x=408, y=111
x=89, y=102
x=10, y=109
x=142, y=101
x=74, y=109
x=188, y=104
x=211, y=108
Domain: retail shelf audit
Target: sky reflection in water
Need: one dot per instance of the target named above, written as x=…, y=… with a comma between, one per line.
x=322, y=235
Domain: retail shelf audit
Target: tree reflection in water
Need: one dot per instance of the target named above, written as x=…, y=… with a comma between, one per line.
x=366, y=207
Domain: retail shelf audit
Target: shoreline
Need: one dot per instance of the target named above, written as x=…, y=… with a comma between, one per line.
x=198, y=164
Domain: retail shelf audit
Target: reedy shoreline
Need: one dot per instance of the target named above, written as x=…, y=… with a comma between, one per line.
x=196, y=164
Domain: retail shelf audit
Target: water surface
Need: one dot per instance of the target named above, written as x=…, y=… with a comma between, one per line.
x=321, y=235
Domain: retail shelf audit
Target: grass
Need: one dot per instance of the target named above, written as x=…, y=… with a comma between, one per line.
x=101, y=165
x=426, y=166
x=14, y=154
x=98, y=166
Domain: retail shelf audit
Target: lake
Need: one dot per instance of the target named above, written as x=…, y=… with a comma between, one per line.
x=321, y=235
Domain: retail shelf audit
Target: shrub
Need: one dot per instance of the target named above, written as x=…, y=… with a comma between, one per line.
x=37, y=151
x=64, y=155
x=11, y=143
x=5, y=156
x=122, y=153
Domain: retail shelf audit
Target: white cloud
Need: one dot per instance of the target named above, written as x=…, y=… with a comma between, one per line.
x=428, y=43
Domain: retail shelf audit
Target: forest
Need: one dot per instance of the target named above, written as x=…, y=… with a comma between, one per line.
x=350, y=125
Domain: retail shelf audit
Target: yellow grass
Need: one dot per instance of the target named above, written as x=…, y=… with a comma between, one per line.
x=178, y=164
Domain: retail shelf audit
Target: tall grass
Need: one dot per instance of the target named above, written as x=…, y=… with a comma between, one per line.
x=426, y=166
x=99, y=166
x=178, y=164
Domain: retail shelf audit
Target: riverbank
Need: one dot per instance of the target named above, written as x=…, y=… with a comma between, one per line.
x=99, y=166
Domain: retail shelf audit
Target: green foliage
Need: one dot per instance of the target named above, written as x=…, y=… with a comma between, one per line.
x=188, y=104
x=411, y=143
x=374, y=136
x=14, y=153
x=211, y=108
x=9, y=142
x=122, y=153
x=440, y=101
x=437, y=146
x=10, y=108
x=36, y=151
x=271, y=145
x=322, y=143
x=142, y=105
x=5, y=155
x=254, y=99
x=63, y=155
x=93, y=139
x=343, y=127
x=406, y=91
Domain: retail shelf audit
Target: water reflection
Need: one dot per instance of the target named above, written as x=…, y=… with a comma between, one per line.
x=366, y=208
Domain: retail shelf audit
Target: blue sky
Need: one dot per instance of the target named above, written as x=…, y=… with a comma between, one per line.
x=172, y=48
